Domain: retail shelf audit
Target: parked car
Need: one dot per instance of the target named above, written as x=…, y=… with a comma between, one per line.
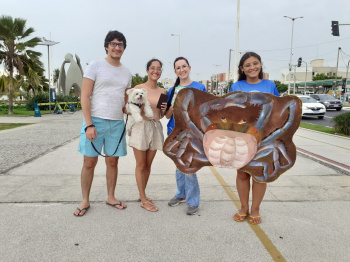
x=311, y=107
x=329, y=101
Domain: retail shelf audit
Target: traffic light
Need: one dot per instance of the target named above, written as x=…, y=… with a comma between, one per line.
x=299, y=61
x=335, y=28
x=343, y=86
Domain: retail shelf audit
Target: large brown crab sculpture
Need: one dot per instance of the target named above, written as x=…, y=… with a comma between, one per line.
x=247, y=131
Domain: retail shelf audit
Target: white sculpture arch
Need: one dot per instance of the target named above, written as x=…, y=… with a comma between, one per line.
x=73, y=78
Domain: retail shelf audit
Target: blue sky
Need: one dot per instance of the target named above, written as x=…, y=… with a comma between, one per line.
x=207, y=31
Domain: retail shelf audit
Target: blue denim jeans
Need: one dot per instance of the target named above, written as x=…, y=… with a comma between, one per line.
x=187, y=186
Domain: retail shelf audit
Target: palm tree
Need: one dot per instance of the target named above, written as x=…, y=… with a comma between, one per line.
x=4, y=81
x=34, y=72
x=14, y=50
x=136, y=80
x=56, y=75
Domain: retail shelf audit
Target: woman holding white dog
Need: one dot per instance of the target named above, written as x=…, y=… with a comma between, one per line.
x=187, y=185
x=146, y=137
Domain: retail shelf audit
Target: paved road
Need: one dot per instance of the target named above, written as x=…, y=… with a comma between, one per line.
x=23, y=144
x=327, y=120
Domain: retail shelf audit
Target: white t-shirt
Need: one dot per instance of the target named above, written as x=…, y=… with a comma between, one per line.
x=107, y=99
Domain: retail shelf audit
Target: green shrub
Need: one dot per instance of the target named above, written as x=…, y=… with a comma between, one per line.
x=4, y=108
x=44, y=98
x=39, y=98
x=342, y=123
x=61, y=98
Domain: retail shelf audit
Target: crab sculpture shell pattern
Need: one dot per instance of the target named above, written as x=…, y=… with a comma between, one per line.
x=251, y=132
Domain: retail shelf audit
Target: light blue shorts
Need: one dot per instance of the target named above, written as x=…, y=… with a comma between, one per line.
x=108, y=136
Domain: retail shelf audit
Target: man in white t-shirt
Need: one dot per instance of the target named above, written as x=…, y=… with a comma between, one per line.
x=103, y=100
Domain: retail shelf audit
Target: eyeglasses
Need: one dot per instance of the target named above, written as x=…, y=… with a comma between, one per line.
x=181, y=67
x=114, y=44
x=156, y=69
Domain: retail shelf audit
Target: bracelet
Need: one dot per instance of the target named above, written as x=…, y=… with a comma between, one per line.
x=88, y=127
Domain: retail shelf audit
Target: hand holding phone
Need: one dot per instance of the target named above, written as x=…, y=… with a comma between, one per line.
x=163, y=98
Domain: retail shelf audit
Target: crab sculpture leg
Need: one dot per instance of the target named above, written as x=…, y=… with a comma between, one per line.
x=273, y=148
x=271, y=145
x=191, y=137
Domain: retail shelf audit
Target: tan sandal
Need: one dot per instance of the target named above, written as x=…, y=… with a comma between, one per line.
x=148, y=199
x=251, y=221
x=153, y=208
x=240, y=216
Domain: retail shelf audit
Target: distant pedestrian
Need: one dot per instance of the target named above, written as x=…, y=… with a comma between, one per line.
x=147, y=136
x=103, y=100
x=250, y=79
x=187, y=185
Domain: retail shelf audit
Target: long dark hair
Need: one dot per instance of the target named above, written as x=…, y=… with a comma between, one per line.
x=153, y=60
x=241, y=74
x=177, y=82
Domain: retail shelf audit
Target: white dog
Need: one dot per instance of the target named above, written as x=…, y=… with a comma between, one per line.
x=136, y=98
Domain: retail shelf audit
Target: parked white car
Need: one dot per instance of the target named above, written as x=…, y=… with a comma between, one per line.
x=311, y=107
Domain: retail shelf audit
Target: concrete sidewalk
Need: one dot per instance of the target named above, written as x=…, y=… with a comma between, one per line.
x=304, y=212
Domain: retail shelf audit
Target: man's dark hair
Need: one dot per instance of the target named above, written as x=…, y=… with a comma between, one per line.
x=114, y=35
x=241, y=74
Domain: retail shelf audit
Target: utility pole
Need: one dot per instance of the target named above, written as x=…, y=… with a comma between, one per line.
x=305, y=77
x=336, y=72
x=235, y=77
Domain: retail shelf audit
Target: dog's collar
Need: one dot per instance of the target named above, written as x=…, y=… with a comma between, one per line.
x=139, y=105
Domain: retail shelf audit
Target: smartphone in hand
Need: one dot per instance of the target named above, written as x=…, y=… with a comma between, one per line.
x=163, y=98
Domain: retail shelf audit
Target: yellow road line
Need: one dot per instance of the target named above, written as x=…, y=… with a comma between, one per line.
x=264, y=239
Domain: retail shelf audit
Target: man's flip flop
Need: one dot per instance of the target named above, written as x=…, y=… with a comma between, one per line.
x=117, y=204
x=240, y=216
x=81, y=210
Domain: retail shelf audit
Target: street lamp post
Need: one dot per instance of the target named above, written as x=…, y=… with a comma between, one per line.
x=48, y=43
x=291, y=49
x=179, y=43
x=229, y=65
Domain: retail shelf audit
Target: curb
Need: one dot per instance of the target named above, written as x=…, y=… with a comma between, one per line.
x=342, y=168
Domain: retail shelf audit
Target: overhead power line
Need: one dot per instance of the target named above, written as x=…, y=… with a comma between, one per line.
x=281, y=49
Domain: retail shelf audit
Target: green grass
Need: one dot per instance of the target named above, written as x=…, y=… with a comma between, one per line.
x=319, y=128
x=22, y=112
x=4, y=126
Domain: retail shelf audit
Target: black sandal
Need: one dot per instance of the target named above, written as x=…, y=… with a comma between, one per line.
x=81, y=210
